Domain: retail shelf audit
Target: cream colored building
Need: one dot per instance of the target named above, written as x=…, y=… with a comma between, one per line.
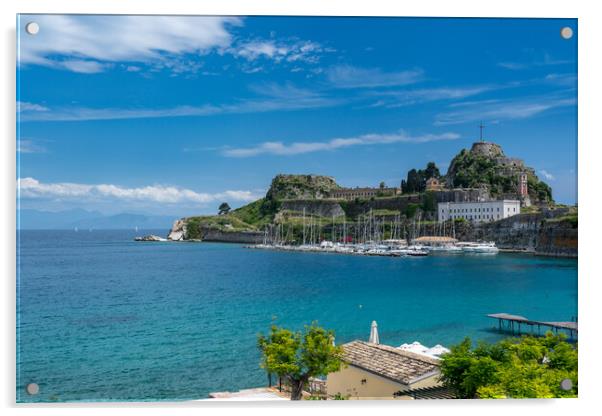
x=376, y=371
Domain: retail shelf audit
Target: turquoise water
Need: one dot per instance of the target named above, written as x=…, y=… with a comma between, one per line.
x=101, y=317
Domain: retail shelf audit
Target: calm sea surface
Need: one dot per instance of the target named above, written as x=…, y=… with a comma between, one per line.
x=101, y=317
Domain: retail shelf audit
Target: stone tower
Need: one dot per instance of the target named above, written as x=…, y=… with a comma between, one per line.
x=523, y=190
x=522, y=185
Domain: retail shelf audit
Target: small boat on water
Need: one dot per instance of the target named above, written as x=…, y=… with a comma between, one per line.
x=448, y=248
x=480, y=247
x=416, y=251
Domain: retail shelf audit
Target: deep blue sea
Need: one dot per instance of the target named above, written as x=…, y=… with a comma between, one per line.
x=101, y=317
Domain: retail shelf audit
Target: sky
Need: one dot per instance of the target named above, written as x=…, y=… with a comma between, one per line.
x=174, y=115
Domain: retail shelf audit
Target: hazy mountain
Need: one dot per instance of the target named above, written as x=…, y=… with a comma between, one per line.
x=42, y=220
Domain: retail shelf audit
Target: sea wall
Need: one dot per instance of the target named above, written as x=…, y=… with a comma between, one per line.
x=242, y=237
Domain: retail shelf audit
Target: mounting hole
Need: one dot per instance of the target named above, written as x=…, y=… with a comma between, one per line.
x=566, y=32
x=32, y=28
x=566, y=384
x=32, y=389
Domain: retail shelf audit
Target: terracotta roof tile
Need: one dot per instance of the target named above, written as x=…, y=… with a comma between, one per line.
x=401, y=366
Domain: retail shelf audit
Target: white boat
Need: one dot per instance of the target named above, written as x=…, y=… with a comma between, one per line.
x=447, y=248
x=416, y=250
x=484, y=247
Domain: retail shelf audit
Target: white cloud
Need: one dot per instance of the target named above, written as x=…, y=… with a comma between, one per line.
x=496, y=110
x=347, y=76
x=84, y=67
x=32, y=188
x=23, y=106
x=547, y=175
x=399, y=98
x=565, y=80
x=538, y=61
x=296, y=148
x=91, y=44
x=273, y=97
x=279, y=50
x=92, y=41
x=28, y=146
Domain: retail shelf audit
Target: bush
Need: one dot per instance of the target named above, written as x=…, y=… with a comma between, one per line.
x=526, y=367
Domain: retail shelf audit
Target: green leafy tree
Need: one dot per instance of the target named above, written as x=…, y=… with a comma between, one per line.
x=429, y=202
x=224, y=208
x=416, y=179
x=413, y=181
x=431, y=171
x=298, y=356
x=526, y=367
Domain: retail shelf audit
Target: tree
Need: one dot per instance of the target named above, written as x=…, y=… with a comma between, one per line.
x=413, y=182
x=416, y=180
x=224, y=208
x=382, y=186
x=431, y=171
x=527, y=367
x=429, y=202
x=298, y=356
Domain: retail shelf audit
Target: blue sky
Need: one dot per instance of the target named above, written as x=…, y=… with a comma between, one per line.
x=173, y=115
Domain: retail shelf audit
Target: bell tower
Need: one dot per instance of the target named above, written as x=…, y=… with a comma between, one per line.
x=523, y=190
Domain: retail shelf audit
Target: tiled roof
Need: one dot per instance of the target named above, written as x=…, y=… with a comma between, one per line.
x=401, y=366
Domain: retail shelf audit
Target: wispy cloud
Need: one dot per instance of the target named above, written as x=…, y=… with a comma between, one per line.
x=23, y=106
x=497, y=110
x=29, y=146
x=347, y=76
x=93, y=44
x=544, y=60
x=279, y=50
x=32, y=188
x=564, y=80
x=97, y=40
x=283, y=149
x=400, y=98
x=547, y=175
x=271, y=97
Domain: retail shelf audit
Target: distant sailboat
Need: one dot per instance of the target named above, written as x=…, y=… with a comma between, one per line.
x=75, y=229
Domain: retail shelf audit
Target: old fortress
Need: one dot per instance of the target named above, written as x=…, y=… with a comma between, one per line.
x=474, y=204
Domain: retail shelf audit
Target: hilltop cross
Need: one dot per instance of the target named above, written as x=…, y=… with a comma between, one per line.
x=481, y=126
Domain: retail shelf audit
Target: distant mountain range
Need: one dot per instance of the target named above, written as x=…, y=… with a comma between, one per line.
x=32, y=219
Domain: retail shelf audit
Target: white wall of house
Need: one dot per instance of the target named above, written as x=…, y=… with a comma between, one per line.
x=478, y=212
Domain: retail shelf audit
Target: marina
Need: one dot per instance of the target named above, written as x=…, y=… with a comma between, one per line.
x=370, y=236
x=395, y=248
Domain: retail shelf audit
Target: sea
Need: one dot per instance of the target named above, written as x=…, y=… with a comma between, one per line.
x=103, y=318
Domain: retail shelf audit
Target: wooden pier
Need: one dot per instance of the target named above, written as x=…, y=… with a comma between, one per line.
x=517, y=324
